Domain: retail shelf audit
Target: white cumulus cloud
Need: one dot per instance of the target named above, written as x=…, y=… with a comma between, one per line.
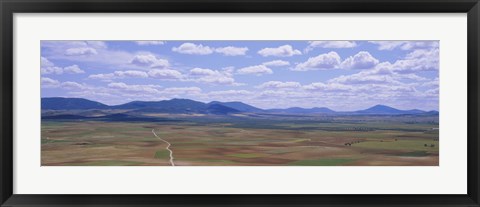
x=49, y=83
x=73, y=69
x=280, y=85
x=119, y=74
x=405, y=45
x=417, y=60
x=193, y=49
x=360, y=78
x=165, y=74
x=48, y=67
x=361, y=60
x=149, y=60
x=256, y=70
x=150, y=42
x=70, y=85
x=211, y=76
x=67, y=85
x=81, y=51
x=282, y=51
x=324, y=61
x=319, y=86
x=330, y=44
x=276, y=63
x=202, y=72
x=229, y=93
x=51, y=70
x=199, y=49
x=44, y=62
x=231, y=51
x=131, y=74
x=102, y=76
x=181, y=90
x=135, y=88
x=96, y=44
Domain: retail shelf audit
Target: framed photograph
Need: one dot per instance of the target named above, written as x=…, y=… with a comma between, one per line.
x=231, y=103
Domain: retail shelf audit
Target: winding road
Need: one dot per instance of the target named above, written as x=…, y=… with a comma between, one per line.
x=168, y=147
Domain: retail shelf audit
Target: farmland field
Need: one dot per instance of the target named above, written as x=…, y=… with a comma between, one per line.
x=263, y=140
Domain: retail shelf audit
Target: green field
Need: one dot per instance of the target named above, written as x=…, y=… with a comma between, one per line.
x=233, y=141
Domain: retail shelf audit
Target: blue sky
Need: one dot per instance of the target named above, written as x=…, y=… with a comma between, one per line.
x=341, y=75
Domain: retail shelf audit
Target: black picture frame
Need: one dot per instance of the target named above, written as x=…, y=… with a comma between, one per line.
x=10, y=7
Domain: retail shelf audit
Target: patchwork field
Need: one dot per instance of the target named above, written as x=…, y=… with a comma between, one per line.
x=200, y=141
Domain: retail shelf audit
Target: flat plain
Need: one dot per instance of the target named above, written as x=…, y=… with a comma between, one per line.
x=260, y=140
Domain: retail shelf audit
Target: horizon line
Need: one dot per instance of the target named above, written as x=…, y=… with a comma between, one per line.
x=247, y=104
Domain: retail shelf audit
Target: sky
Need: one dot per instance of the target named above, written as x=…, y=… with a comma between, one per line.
x=340, y=75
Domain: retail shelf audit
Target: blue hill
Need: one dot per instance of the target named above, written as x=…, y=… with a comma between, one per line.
x=382, y=109
x=58, y=103
x=238, y=106
x=166, y=106
x=220, y=109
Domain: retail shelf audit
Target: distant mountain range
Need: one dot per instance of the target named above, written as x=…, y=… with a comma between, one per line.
x=71, y=103
x=179, y=106
x=382, y=109
x=238, y=106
